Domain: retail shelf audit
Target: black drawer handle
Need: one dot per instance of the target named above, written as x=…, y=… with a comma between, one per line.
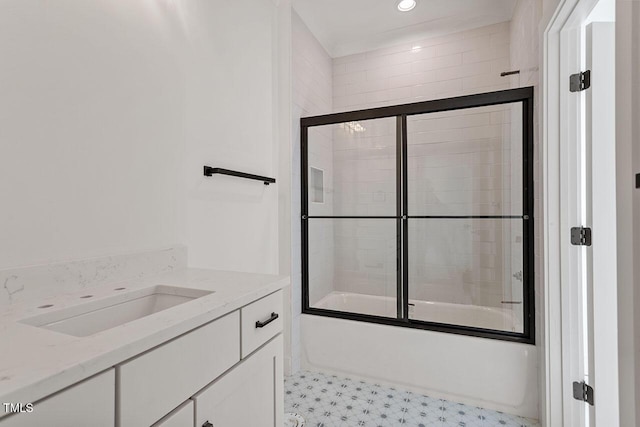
x=273, y=317
x=207, y=424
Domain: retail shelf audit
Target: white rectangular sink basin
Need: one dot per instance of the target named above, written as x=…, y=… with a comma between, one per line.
x=92, y=317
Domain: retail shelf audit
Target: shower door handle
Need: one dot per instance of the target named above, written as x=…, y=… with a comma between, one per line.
x=273, y=317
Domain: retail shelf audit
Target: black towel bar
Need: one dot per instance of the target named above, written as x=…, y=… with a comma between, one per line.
x=209, y=171
x=509, y=73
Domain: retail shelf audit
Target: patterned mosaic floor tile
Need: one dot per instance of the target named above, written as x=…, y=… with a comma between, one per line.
x=335, y=401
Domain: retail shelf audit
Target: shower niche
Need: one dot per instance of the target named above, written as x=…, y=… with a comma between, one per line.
x=421, y=215
x=316, y=185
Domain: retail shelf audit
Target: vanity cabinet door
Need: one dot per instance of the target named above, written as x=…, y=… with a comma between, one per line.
x=250, y=395
x=89, y=403
x=180, y=417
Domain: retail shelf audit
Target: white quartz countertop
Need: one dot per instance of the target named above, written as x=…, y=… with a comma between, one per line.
x=36, y=362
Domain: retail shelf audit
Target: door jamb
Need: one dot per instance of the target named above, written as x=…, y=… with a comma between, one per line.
x=557, y=180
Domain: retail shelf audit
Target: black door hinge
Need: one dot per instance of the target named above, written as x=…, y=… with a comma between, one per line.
x=579, y=82
x=583, y=391
x=581, y=236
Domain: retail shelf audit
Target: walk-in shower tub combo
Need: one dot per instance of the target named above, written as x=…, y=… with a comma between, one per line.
x=417, y=247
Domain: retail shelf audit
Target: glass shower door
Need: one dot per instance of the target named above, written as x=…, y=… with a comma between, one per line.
x=466, y=227
x=352, y=220
x=421, y=215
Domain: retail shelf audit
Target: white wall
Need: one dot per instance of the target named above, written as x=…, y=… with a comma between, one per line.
x=108, y=112
x=91, y=129
x=285, y=165
x=311, y=93
x=231, y=109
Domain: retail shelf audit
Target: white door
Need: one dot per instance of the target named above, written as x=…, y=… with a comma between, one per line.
x=600, y=216
x=574, y=294
x=593, y=297
x=589, y=285
x=579, y=156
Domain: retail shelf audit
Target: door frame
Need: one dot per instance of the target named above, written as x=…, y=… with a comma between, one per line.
x=561, y=122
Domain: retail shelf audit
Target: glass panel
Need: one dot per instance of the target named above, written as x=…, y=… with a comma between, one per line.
x=466, y=162
x=352, y=265
x=467, y=272
x=358, y=160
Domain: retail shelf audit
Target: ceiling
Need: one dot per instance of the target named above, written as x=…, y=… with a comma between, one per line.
x=345, y=27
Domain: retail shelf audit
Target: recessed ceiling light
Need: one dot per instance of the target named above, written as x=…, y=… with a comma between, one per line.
x=406, y=5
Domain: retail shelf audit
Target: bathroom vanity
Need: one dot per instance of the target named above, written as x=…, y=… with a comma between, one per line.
x=202, y=349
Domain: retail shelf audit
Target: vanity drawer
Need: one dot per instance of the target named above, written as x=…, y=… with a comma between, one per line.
x=173, y=372
x=89, y=403
x=261, y=321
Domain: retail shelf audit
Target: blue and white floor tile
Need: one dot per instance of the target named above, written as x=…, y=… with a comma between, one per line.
x=332, y=401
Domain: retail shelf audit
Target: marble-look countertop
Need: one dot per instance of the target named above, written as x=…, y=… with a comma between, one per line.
x=36, y=362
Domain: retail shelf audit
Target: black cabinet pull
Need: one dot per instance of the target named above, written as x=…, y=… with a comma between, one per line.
x=207, y=424
x=260, y=324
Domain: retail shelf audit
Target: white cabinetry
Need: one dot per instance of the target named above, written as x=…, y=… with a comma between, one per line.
x=261, y=321
x=88, y=403
x=181, y=417
x=250, y=395
x=153, y=384
x=226, y=373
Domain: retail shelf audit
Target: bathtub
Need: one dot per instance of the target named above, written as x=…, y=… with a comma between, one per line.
x=503, y=319
x=489, y=373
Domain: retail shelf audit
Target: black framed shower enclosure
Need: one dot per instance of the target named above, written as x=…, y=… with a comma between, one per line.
x=401, y=218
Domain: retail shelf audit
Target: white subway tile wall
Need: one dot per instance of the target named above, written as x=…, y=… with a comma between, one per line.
x=321, y=233
x=364, y=257
x=466, y=162
x=460, y=163
x=364, y=159
x=457, y=64
x=466, y=261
